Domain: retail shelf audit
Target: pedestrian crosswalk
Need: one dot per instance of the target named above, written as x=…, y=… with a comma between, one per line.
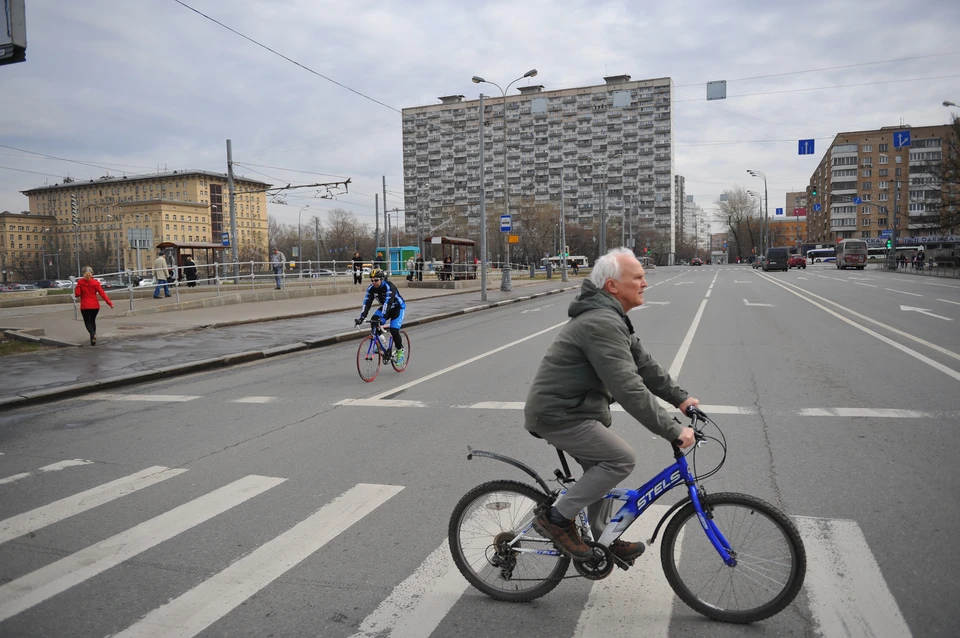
x=845, y=589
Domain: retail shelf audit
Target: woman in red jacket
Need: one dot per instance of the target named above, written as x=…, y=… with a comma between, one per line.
x=87, y=289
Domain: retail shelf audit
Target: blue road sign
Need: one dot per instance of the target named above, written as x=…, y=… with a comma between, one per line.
x=901, y=138
x=805, y=147
x=226, y=239
x=506, y=225
x=816, y=208
x=857, y=200
x=779, y=211
x=885, y=233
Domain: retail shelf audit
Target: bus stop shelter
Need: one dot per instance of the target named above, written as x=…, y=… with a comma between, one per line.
x=463, y=261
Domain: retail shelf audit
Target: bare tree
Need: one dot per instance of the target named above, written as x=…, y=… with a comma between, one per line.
x=739, y=215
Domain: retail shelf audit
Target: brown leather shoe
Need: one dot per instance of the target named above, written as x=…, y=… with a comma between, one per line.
x=565, y=536
x=627, y=552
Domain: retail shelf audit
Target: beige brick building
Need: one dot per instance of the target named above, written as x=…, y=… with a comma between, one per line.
x=182, y=207
x=867, y=165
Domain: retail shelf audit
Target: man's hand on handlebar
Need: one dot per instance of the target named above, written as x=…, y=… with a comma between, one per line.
x=686, y=404
x=357, y=322
x=686, y=438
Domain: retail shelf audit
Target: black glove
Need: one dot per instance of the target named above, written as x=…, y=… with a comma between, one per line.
x=357, y=322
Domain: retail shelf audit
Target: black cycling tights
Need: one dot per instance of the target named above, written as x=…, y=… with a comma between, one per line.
x=397, y=338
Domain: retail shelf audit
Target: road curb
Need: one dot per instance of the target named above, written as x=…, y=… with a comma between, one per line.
x=66, y=391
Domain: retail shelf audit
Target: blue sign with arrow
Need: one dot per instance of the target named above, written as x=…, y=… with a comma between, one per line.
x=816, y=208
x=805, y=147
x=857, y=200
x=901, y=138
x=779, y=211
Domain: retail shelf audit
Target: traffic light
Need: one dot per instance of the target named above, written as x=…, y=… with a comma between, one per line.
x=813, y=192
x=73, y=210
x=889, y=244
x=645, y=250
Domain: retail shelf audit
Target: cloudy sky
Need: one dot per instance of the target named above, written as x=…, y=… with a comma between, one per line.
x=130, y=86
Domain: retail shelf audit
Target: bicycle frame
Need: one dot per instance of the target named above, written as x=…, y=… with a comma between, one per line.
x=376, y=331
x=635, y=502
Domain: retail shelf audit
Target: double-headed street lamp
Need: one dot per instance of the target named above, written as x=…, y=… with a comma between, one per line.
x=505, y=284
x=766, y=211
x=760, y=210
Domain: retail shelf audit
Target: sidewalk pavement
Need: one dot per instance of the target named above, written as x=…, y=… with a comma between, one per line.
x=134, y=347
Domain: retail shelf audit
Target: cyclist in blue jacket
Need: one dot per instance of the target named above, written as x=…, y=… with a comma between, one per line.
x=390, y=312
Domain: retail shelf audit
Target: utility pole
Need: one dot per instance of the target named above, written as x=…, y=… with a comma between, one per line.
x=316, y=222
x=385, y=215
x=75, y=215
x=234, y=254
x=483, y=215
x=376, y=234
x=563, y=234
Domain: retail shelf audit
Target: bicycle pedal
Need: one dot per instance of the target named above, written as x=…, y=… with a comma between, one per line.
x=622, y=564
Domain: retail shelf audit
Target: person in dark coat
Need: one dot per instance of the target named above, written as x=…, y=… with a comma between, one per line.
x=418, y=264
x=190, y=271
x=357, y=268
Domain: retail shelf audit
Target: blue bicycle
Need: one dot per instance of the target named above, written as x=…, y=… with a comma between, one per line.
x=377, y=347
x=729, y=556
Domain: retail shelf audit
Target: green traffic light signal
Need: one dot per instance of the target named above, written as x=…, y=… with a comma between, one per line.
x=813, y=192
x=889, y=244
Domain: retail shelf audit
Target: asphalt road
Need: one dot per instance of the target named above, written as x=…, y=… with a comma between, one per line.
x=842, y=420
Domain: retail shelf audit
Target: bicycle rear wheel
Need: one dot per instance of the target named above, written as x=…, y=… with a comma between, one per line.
x=483, y=522
x=402, y=365
x=771, y=560
x=368, y=359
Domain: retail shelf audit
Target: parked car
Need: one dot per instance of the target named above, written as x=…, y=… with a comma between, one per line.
x=16, y=287
x=758, y=262
x=797, y=261
x=64, y=283
x=696, y=261
x=144, y=283
x=45, y=283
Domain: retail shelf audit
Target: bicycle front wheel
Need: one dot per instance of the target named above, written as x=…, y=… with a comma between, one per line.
x=368, y=359
x=485, y=520
x=771, y=560
x=401, y=365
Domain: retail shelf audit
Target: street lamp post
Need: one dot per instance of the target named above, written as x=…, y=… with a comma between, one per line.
x=505, y=284
x=766, y=210
x=300, y=241
x=760, y=211
x=949, y=103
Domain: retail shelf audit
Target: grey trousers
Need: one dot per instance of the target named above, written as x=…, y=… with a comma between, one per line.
x=606, y=460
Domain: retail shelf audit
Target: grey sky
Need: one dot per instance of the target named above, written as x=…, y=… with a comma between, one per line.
x=134, y=86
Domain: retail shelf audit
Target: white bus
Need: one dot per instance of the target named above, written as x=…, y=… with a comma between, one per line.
x=851, y=253
x=579, y=260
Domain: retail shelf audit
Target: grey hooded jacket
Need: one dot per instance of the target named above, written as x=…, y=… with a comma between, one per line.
x=595, y=360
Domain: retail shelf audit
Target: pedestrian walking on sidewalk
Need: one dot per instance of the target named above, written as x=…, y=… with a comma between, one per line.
x=277, y=261
x=87, y=289
x=190, y=271
x=160, y=272
x=419, y=266
x=357, y=268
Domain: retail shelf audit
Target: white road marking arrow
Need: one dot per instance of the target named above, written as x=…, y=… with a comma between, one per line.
x=523, y=312
x=924, y=311
x=767, y=305
x=804, y=278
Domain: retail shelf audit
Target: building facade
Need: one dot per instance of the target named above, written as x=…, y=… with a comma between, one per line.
x=796, y=204
x=865, y=184
x=116, y=214
x=607, y=148
x=23, y=246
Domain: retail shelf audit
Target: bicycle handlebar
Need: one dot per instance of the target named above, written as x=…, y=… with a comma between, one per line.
x=696, y=416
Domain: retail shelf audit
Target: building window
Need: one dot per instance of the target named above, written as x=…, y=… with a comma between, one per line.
x=883, y=172
x=867, y=172
x=866, y=210
x=882, y=184
x=866, y=148
x=881, y=221
x=883, y=197
x=884, y=148
x=866, y=222
x=884, y=159
x=865, y=234
x=866, y=186
x=897, y=172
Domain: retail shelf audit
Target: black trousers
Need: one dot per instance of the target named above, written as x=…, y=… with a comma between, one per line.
x=90, y=320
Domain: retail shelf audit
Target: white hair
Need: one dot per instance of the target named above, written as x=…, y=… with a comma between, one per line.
x=608, y=266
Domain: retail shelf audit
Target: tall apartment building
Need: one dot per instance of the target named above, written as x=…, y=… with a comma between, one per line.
x=188, y=206
x=679, y=199
x=610, y=145
x=796, y=204
x=888, y=181
x=692, y=219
